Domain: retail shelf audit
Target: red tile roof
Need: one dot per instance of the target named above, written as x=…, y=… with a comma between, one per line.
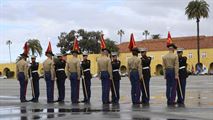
x=189, y=42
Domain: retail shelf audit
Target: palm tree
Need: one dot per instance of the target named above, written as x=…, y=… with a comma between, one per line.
x=35, y=47
x=155, y=36
x=9, y=42
x=146, y=33
x=120, y=33
x=197, y=9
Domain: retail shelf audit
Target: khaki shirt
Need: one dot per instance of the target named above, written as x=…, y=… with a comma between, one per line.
x=73, y=65
x=22, y=66
x=48, y=66
x=104, y=64
x=134, y=63
x=170, y=60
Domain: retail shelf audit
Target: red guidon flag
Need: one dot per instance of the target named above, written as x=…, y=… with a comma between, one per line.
x=132, y=42
x=49, y=48
x=26, y=48
x=169, y=39
x=103, y=44
x=76, y=46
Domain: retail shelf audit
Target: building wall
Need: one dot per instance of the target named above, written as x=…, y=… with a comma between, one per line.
x=10, y=66
x=206, y=59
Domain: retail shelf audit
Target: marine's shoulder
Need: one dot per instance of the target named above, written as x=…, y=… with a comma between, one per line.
x=184, y=57
x=18, y=62
x=99, y=58
x=148, y=57
x=69, y=60
x=165, y=56
x=137, y=58
x=78, y=60
x=24, y=62
x=108, y=58
x=130, y=58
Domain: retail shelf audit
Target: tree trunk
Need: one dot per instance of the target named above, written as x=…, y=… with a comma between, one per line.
x=120, y=38
x=198, y=42
x=10, y=53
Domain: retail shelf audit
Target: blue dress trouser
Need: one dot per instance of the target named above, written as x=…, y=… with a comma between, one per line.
x=171, y=85
x=117, y=87
x=49, y=86
x=106, y=84
x=145, y=99
x=35, y=80
x=23, y=85
x=61, y=85
x=183, y=88
x=87, y=82
x=74, y=83
x=135, y=86
x=61, y=89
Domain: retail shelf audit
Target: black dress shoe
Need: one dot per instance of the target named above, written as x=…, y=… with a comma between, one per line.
x=87, y=102
x=60, y=101
x=115, y=103
x=181, y=104
x=35, y=101
x=83, y=101
x=75, y=102
x=106, y=103
x=136, y=103
x=172, y=104
x=22, y=101
x=145, y=103
x=50, y=101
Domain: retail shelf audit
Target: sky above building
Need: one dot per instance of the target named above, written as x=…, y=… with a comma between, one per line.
x=21, y=20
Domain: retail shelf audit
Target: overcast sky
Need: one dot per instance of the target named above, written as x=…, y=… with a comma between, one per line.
x=45, y=19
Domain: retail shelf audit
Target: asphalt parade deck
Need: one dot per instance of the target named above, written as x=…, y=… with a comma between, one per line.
x=199, y=103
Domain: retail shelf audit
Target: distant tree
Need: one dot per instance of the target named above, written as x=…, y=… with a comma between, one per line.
x=88, y=41
x=120, y=33
x=146, y=33
x=66, y=41
x=9, y=42
x=155, y=36
x=197, y=9
x=35, y=46
x=111, y=45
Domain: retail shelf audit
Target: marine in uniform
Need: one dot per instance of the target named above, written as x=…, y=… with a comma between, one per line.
x=86, y=79
x=182, y=76
x=104, y=72
x=49, y=75
x=115, y=86
x=74, y=73
x=171, y=68
x=145, y=61
x=35, y=78
x=135, y=75
x=22, y=76
x=60, y=77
